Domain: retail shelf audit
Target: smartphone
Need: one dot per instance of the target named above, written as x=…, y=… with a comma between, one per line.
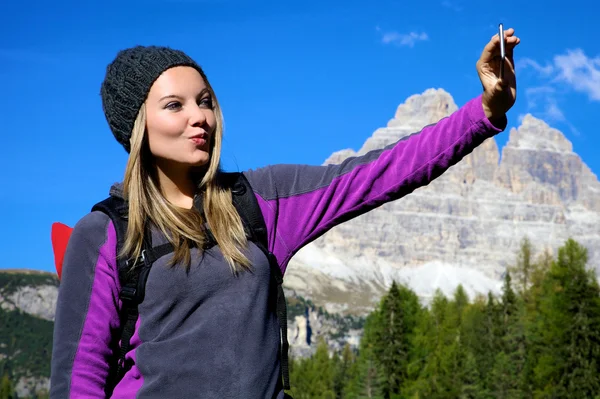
x=502, y=50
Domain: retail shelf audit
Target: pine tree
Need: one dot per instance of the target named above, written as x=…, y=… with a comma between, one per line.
x=503, y=377
x=490, y=341
x=524, y=268
x=343, y=371
x=428, y=370
x=510, y=361
x=475, y=337
x=540, y=270
x=533, y=322
x=393, y=336
x=389, y=348
x=322, y=370
x=509, y=303
x=461, y=301
x=471, y=379
x=583, y=345
x=312, y=378
x=456, y=351
x=300, y=377
x=364, y=381
x=570, y=327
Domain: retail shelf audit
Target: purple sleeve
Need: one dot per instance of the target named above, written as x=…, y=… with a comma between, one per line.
x=302, y=202
x=86, y=312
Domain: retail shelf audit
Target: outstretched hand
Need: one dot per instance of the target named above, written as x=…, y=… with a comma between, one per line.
x=499, y=95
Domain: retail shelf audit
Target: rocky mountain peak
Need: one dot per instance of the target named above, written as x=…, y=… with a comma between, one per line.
x=424, y=109
x=416, y=112
x=538, y=163
x=338, y=156
x=536, y=135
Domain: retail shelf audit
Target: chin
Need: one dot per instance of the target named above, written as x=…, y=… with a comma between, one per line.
x=199, y=162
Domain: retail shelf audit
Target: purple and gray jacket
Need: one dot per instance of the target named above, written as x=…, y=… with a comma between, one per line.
x=206, y=333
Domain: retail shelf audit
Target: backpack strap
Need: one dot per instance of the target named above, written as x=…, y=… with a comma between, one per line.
x=247, y=206
x=116, y=208
x=133, y=274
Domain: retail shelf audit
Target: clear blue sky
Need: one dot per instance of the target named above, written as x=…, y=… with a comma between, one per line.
x=297, y=80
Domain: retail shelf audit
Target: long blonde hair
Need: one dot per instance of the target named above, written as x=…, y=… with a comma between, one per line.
x=182, y=227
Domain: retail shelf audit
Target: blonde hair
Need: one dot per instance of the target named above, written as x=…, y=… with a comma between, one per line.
x=182, y=227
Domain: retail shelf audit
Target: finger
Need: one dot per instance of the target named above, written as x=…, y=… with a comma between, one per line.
x=509, y=32
x=510, y=40
x=510, y=46
x=492, y=49
x=495, y=40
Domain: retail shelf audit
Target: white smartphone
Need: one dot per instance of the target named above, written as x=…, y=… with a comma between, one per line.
x=502, y=50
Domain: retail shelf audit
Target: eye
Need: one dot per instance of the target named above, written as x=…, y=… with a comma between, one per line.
x=206, y=102
x=173, y=106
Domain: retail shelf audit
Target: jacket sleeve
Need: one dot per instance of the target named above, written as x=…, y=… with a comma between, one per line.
x=87, y=311
x=302, y=202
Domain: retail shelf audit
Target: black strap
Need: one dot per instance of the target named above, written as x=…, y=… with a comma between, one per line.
x=117, y=209
x=247, y=206
x=281, y=314
x=132, y=294
x=249, y=210
x=133, y=274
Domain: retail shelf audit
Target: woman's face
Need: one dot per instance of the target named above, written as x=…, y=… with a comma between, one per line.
x=180, y=120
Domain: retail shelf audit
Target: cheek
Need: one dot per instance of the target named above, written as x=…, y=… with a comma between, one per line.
x=164, y=132
x=211, y=120
x=166, y=126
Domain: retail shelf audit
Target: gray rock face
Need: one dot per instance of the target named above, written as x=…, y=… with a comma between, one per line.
x=305, y=331
x=33, y=293
x=39, y=301
x=463, y=228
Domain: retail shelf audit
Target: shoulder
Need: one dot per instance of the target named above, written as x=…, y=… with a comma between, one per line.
x=263, y=181
x=92, y=224
x=95, y=229
x=91, y=250
x=289, y=180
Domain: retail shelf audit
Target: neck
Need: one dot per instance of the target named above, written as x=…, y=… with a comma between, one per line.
x=177, y=186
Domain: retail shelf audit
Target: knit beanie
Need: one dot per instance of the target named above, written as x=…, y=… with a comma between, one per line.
x=127, y=83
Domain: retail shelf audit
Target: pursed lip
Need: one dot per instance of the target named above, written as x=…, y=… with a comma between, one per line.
x=203, y=135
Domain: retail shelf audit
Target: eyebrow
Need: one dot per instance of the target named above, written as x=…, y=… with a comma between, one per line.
x=203, y=92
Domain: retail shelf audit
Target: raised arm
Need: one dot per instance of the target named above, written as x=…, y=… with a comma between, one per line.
x=302, y=202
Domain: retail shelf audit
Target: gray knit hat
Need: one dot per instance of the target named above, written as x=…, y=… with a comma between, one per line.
x=128, y=80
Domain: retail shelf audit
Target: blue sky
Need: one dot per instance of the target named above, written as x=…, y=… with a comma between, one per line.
x=297, y=80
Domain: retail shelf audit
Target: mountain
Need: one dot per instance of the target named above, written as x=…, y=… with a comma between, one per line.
x=27, y=306
x=463, y=228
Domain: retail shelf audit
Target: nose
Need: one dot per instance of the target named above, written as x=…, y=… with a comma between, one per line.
x=197, y=116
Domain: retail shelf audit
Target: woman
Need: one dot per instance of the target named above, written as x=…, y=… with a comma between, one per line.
x=207, y=326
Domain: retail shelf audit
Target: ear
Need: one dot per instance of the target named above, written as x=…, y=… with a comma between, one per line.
x=60, y=238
